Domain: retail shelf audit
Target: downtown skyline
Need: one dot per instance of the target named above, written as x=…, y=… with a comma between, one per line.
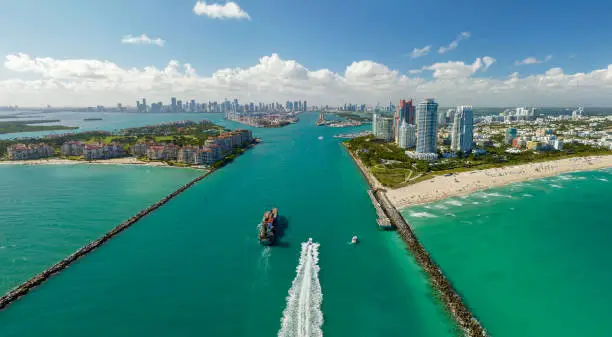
x=474, y=62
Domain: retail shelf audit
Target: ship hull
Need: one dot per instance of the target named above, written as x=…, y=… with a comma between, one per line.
x=267, y=232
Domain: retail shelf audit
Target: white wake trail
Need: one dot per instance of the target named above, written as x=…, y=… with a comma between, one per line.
x=302, y=316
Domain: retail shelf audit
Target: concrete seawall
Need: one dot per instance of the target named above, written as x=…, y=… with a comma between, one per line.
x=25, y=287
x=464, y=318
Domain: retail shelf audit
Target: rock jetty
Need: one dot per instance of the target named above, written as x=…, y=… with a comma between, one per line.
x=25, y=287
x=454, y=304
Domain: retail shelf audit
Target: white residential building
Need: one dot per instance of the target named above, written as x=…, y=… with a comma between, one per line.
x=462, y=135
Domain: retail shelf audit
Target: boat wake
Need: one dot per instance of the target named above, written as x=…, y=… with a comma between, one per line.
x=302, y=316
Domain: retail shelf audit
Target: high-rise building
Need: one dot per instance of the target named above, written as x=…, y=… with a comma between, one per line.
x=173, y=104
x=305, y=106
x=462, y=135
x=382, y=127
x=510, y=135
x=427, y=125
x=407, y=135
x=374, y=119
x=405, y=112
x=441, y=119
x=450, y=116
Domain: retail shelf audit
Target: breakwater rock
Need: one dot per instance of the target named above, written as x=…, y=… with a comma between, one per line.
x=25, y=287
x=454, y=304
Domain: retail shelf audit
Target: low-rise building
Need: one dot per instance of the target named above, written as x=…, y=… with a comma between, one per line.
x=139, y=149
x=72, y=148
x=422, y=156
x=29, y=152
x=534, y=145
x=207, y=155
x=162, y=152
x=186, y=154
x=102, y=151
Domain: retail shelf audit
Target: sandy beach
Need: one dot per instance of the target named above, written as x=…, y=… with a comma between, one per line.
x=114, y=161
x=463, y=183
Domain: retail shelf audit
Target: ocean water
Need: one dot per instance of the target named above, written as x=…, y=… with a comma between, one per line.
x=195, y=267
x=111, y=121
x=530, y=259
x=49, y=211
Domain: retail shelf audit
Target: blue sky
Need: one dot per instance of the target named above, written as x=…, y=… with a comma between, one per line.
x=317, y=34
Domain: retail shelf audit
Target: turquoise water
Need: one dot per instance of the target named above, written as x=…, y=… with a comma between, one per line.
x=47, y=212
x=111, y=121
x=531, y=259
x=195, y=268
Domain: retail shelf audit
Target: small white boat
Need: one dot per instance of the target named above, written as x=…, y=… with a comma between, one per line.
x=320, y=137
x=354, y=240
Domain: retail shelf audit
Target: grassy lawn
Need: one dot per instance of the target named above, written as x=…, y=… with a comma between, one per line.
x=393, y=168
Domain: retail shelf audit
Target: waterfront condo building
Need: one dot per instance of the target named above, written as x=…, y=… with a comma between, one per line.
x=426, y=121
x=383, y=127
x=407, y=135
x=207, y=155
x=186, y=154
x=139, y=149
x=28, y=152
x=102, y=151
x=462, y=135
x=405, y=112
x=162, y=152
x=72, y=148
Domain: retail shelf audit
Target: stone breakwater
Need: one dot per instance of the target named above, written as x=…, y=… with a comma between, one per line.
x=25, y=287
x=470, y=326
x=454, y=304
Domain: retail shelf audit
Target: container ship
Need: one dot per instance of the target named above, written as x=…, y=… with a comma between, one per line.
x=267, y=229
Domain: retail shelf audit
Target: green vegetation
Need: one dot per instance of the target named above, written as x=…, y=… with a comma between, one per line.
x=24, y=126
x=354, y=116
x=393, y=168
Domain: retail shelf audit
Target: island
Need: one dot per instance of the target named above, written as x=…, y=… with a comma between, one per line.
x=30, y=126
x=263, y=120
x=200, y=144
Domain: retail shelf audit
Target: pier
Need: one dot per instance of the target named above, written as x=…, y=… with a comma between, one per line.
x=382, y=220
x=454, y=304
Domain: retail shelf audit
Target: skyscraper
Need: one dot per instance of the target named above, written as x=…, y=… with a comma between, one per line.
x=441, y=119
x=407, y=135
x=173, y=104
x=383, y=128
x=463, y=129
x=405, y=112
x=305, y=106
x=427, y=122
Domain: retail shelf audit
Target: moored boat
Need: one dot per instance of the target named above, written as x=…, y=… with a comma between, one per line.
x=267, y=230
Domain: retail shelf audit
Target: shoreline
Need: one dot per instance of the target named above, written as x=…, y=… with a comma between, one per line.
x=459, y=184
x=442, y=287
x=113, y=161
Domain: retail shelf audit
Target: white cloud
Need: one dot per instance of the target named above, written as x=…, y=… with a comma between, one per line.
x=533, y=60
x=142, y=39
x=459, y=70
x=228, y=10
x=418, y=52
x=37, y=81
x=455, y=43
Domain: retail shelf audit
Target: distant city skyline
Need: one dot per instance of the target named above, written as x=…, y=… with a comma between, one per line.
x=259, y=51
